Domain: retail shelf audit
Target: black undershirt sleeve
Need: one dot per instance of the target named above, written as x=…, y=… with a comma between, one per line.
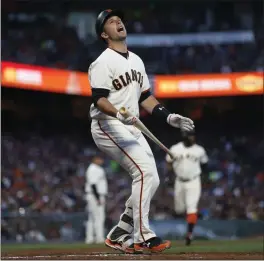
x=98, y=93
x=204, y=167
x=144, y=96
x=95, y=192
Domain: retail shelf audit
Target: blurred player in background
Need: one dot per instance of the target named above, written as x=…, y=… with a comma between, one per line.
x=190, y=161
x=96, y=189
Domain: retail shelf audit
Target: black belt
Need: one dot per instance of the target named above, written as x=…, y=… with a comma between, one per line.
x=186, y=180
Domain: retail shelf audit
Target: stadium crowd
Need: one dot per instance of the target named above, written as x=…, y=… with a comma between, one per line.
x=45, y=174
x=48, y=39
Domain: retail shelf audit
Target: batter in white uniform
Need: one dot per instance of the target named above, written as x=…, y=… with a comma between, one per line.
x=96, y=191
x=118, y=78
x=190, y=161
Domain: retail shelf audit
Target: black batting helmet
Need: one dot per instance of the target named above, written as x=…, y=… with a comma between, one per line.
x=102, y=18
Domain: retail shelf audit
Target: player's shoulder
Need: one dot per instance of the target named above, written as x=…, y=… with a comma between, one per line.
x=199, y=147
x=102, y=59
x=136, y=57
x=177, y=145
x=93, y=167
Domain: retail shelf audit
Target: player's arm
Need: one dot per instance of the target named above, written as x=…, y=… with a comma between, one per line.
x=100, y=78
x=100, y=81
x=95, y=192
x=169, y=168
x=103, y=104
x=204, y=161
x=148, y=101
x=92, y=179
x=152, y=106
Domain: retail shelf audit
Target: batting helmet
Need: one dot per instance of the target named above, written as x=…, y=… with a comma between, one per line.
x=102, y=18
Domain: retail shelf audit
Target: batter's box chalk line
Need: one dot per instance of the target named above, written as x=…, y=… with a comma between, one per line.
x=138, y=256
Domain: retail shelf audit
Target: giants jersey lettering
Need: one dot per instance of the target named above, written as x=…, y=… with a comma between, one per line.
x=188, y=160
x=125, y=78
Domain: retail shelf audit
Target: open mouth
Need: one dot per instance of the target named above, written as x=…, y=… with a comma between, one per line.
x=120, y=29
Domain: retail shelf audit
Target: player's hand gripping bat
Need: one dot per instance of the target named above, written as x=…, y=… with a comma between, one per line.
x=140, y=125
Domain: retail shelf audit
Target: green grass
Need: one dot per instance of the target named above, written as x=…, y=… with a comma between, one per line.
x=243, y=245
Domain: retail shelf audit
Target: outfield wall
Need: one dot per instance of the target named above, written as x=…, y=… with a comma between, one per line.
x=71, y=227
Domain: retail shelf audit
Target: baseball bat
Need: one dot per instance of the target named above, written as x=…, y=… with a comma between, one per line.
x=140, y=125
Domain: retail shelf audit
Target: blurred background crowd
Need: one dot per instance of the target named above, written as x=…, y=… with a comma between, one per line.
x=45, y=156
x=51, y=39
x=46, y=140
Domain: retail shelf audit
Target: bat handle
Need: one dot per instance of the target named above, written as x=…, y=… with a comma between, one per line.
x=124, y=112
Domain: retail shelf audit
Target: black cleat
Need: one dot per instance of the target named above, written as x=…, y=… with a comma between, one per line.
x=188, y=240
x=154, y=245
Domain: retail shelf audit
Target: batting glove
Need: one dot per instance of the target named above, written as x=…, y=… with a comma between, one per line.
x=130, y=120
x=178, y=121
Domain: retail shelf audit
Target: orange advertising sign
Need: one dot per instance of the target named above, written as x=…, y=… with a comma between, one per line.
x=209, y=85
x=32, y=77
x=44, y=79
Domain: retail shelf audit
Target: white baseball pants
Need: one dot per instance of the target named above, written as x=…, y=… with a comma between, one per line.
x=187, y=195
x=96, y=220
x=129, y=148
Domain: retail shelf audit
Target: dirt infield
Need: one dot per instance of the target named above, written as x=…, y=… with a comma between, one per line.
x=101, y=253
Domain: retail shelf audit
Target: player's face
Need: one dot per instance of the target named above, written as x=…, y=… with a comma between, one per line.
x=191, y=138
x=114, y=29
x=99, y=161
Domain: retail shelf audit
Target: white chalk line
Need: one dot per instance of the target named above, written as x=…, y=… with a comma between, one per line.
x=70, y=255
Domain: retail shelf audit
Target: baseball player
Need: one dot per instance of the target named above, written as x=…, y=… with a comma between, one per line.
x=118, y=79
x=96, y=190
x=189, y=162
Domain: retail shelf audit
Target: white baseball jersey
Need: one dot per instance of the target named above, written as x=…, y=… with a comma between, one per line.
x=95, y=175
x=125, y=78
x=187, y=160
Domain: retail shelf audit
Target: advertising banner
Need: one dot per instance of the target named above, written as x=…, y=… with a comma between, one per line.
x=44, y=79
x=32, y=77
x=209, y=85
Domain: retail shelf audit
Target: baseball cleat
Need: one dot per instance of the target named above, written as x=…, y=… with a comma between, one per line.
x=154, y=245
x=188, y=240
x=127, y=249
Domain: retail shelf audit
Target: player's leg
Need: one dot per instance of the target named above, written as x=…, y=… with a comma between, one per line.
x=121, y=233
x=179, y=197
x=89, y=235
x=142, y=141
x=117, y=141
x=193, y=193
x=125, y=225
x=156, y=244
x=99, y=223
